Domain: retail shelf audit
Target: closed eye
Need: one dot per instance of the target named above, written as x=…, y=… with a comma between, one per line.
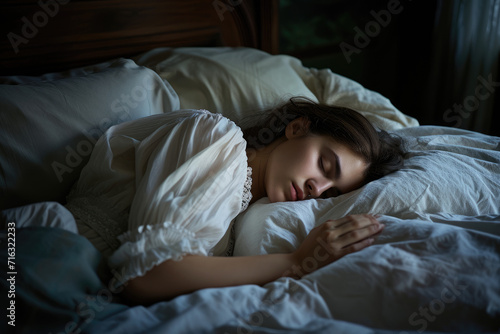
x=321, y=164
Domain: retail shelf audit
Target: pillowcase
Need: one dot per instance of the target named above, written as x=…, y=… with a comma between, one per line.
x=49, y=124
x=238, y=82
x=448, y=171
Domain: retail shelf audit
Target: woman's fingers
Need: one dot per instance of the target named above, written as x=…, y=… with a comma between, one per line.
x=350, y=223
x=351, y=229
x=349, y=220
x=355, y=236
x=357, y=246
x=334, y=239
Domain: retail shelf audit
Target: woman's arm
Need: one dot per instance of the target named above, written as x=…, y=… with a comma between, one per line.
x=325, y=244
x=194, y=272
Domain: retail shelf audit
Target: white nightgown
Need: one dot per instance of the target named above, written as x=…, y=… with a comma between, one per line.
x=160, y=187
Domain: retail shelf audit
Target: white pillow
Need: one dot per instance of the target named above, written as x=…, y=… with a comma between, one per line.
x=48, y=127
x=448, y=171
x=239, y=81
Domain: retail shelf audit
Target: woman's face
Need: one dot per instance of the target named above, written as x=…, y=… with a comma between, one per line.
x=312, y=165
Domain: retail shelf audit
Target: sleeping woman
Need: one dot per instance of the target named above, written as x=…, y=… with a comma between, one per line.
x=159, y=194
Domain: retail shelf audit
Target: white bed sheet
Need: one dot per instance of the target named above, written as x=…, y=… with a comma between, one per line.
x=419, y=276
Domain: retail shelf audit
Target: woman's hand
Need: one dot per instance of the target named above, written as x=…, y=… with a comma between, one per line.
x=332, y=240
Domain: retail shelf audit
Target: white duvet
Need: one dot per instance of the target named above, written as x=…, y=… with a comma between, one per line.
x=419, y=276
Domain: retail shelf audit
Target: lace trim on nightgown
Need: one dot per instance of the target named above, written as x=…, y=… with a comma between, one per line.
x=247, y=194
x=87, y=210
x=245, y=202
x=247, y=187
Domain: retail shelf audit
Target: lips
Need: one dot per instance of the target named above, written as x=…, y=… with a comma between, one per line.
x=297, y=193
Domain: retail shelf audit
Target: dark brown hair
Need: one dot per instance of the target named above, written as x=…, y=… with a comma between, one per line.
x=381, y=151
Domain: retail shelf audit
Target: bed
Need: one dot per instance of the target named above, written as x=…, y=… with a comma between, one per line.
x=71, y=69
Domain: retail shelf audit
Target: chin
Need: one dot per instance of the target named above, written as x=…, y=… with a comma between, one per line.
x=275, y=194
x=272, y=200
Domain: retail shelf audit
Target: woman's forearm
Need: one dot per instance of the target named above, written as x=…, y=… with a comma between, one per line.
x=172, y=278
x=325, y=243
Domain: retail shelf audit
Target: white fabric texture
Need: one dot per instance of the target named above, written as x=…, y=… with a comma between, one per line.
x=240, y=81
x=181, y=175
x=418, y=277
x=49, y=124
x=45, y=214
x=447, y=171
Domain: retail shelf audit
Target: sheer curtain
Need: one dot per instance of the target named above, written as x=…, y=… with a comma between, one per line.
x=464, y=75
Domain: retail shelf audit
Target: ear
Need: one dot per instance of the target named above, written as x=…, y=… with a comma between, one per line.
x=297, y=128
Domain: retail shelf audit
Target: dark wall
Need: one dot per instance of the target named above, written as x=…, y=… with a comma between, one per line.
x=387, y=46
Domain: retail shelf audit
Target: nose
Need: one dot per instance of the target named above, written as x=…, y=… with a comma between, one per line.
x=316, y=187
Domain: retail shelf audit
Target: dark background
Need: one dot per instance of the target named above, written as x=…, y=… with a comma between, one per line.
x=399, y=61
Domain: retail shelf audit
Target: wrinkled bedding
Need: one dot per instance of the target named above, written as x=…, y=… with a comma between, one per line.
x=434, y=269
x=418, y=276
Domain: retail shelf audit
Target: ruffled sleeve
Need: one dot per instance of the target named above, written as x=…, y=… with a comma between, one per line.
x=189, y=181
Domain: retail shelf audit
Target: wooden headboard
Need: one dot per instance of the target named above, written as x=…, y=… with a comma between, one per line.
x=41, y=36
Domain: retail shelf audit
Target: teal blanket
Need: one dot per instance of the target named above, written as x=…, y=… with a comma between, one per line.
x=51, y=283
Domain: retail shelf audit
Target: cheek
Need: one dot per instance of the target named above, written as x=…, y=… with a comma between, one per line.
x=302, y=163
x=278, y=173
x=273, y=191
x=296, y=162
